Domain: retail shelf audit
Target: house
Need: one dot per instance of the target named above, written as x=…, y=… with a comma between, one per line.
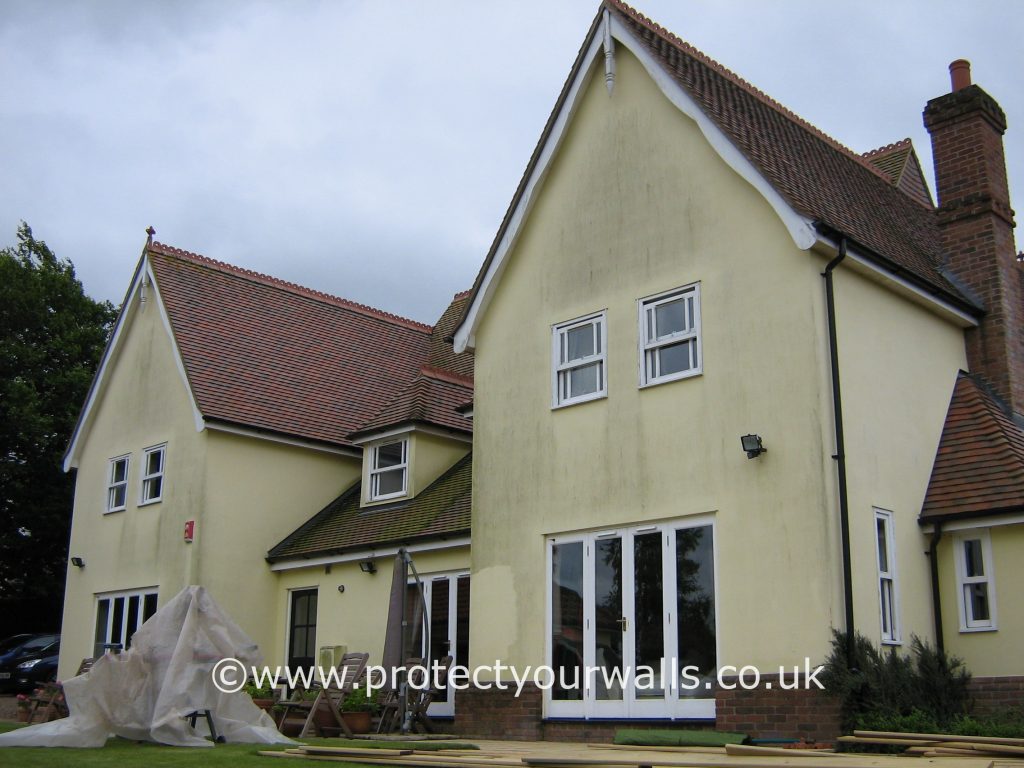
x=233, y=417
x=732, y=386
x=738, y=385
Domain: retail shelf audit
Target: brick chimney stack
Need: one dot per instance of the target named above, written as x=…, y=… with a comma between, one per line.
x=976, y=222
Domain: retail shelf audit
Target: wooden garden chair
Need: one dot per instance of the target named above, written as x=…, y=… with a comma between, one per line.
x=422, y=699
x=50, y=698
x=350, y=671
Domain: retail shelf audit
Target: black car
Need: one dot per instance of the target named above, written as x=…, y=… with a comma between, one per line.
x=34, y=672
x=15, y=664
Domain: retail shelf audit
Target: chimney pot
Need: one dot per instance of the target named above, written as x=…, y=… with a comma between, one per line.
x=960, y=74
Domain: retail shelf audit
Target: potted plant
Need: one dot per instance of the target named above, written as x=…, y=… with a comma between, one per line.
x=262, y=696
x=23, y=705
x=358, y=708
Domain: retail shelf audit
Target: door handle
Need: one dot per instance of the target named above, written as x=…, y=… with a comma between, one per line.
x=623, y=623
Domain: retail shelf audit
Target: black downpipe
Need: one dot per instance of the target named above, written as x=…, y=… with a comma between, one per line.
x=933, y=556
x=840, y=455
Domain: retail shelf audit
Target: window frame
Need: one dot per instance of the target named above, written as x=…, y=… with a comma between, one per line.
x=560, y=370
x=125, y=629
x=967, y=622
x=113, y=484
x=890, y=576
x=148, y=478
x=375, y=472
x=648, y=346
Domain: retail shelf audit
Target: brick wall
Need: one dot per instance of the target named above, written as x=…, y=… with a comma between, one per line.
x=976, y=225
x=993, y=695
x=805, y=714
x=763, y=713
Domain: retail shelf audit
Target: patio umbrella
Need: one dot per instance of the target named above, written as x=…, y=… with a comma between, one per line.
x=402, y=631
x=394, y=631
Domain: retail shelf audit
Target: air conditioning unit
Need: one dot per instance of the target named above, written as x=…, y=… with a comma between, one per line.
x=331, y=655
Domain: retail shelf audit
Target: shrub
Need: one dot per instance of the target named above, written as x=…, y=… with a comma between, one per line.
x=885, y=690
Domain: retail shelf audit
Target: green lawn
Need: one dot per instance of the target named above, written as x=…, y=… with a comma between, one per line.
x=131, y=754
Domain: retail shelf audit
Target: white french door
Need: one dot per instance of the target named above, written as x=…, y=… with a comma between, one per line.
x=447, y=606
x=631, y=622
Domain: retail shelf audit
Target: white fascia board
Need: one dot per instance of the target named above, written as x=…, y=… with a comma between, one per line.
x=800, y=227
x=99, y=380
x=903, y=286
x=178, y=362
x=235, y=429
x=143, y=278
x=407, y=429
x=370, y=553
x=993, y=521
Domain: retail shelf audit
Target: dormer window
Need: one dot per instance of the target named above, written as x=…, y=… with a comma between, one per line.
x=389, y=465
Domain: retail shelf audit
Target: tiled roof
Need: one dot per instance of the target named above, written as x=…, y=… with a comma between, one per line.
x=442, y=355
x=838, y=189
x=274, y=356
x=440, y=510
x=979, y=466
x=900, y=164
x=433, y=398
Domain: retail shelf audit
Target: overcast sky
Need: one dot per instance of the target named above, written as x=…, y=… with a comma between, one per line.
x=369, y=149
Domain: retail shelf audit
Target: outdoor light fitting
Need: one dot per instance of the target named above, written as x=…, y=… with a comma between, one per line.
x=367, y=566
x=78, y=562
x=753, y=446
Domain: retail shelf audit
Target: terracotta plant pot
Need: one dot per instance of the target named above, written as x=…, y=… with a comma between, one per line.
x=358, y=722
x=22, y=714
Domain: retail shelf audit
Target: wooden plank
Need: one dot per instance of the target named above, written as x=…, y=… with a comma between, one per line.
x=1002, y=749
x=742, y=750
x=356, y=751
x=633, y=747
x=889, y=740
x=943, y=737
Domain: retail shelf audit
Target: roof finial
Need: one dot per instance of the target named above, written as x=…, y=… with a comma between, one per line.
x=150, y=231
x=609, y=53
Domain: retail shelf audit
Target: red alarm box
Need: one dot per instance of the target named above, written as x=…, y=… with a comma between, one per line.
x=190, y=530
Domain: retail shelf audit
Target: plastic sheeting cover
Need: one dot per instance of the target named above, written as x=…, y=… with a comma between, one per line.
x=144, y=693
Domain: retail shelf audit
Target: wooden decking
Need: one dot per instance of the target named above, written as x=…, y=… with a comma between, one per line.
x=544, y=754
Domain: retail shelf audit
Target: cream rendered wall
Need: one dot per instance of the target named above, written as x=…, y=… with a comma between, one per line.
x=988, y=653
x=144, y=403
x=258, y=492
x=898, y=365
x=636, y=202
x=355, y=618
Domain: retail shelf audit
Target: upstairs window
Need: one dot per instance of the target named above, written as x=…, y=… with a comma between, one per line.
x=670, y=336
x=579, y=360
x=976, y=582
x=153, y=474
x=117, y=485
x=888, y=598
x=388, y=470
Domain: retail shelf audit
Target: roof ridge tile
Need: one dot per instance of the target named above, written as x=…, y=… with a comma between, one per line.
x=276, y=282
x=884, y=150
x=442, y=375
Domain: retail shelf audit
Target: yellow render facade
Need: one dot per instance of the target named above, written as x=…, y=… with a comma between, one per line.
x=637, y=202
x=993, y=650
x=217, y=480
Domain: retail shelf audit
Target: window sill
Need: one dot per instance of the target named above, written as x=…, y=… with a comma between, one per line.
x=972, y=630
x=670, y=379
x=892, y=643
x=150, y=502
x=578, y=400
x=114, y=511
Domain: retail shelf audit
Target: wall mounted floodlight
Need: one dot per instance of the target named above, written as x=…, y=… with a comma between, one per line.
x=368, y=566
x=753, y=445
x=78, y=562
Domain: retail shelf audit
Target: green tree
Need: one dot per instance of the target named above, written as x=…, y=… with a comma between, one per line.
x=51, y=338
